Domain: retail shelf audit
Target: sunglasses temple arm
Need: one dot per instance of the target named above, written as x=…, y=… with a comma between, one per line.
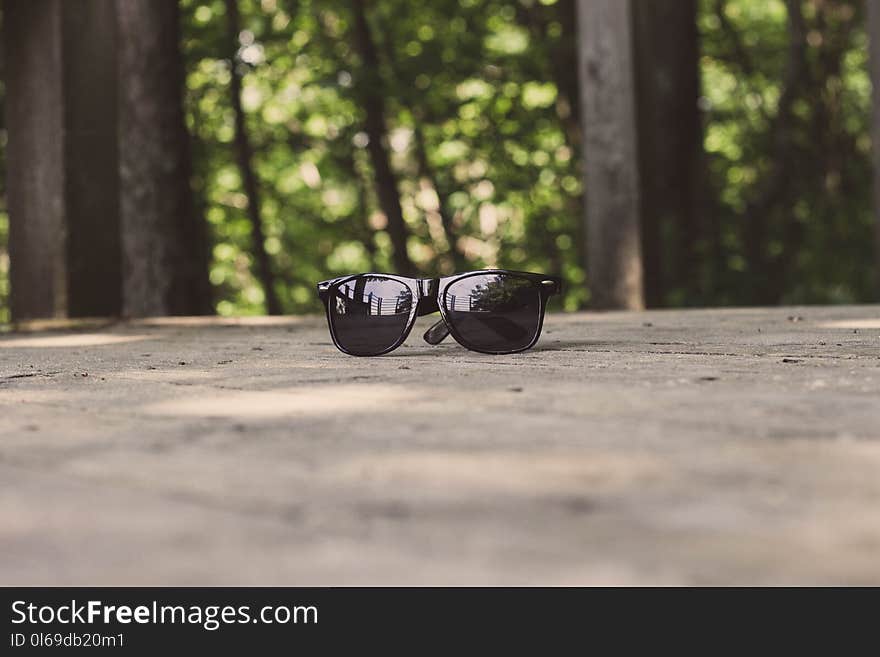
x=437, y=333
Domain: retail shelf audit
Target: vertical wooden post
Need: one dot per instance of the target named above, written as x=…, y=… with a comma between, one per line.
x=164, y=242
x=90, y=159
x=874, y=65
x=62, y=165
x=611, y=173
x=670, y=143
x=35, y=158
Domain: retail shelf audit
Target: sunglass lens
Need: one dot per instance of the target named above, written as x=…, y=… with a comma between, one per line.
x=494, y=312
x=370, y=314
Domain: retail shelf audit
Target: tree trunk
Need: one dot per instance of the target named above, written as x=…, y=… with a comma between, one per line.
x=245, y=155
x=562, y=59
x=767, y=278
x=360, y=215
x=62, y=174
x=422, y=116
x=426, y=171
x=565, y=72
x=164, y=243
x=611, y=176
x=874, y=36
x=374, y=125
x=670, y=143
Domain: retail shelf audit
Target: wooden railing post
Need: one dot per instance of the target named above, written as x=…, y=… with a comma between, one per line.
x=62, y=158
x=611, y=168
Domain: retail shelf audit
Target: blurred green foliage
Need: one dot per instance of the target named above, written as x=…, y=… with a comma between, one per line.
x=460, y=79
x=786, y=209
x=787, y=136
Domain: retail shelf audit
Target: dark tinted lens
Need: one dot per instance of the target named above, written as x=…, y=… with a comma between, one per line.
x=494, y=312
x=370, y=314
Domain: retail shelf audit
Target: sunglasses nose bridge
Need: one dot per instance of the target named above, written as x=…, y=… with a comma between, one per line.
x=428, y=287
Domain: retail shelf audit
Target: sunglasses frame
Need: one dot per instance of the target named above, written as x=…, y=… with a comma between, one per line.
x=429, y=294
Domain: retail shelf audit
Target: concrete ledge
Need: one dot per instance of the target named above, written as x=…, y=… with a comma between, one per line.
x=677, y=447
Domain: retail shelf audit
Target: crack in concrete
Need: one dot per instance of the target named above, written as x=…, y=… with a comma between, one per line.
x=27, y=375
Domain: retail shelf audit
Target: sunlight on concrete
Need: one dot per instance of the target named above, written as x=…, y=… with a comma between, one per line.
x=323, y=400
x=70, y=340
x=852, y=324
x=169, y=374
x=465, y=473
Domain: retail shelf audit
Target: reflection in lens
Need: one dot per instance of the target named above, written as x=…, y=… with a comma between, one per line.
x=494, y=312
x=370, y=314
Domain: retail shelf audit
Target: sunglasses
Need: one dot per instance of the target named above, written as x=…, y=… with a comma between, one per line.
x=493, y=311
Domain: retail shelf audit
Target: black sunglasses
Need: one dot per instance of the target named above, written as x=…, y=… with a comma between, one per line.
x=493, y=311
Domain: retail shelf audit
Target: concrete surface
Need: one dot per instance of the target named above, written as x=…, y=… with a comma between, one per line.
x=697, y=447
